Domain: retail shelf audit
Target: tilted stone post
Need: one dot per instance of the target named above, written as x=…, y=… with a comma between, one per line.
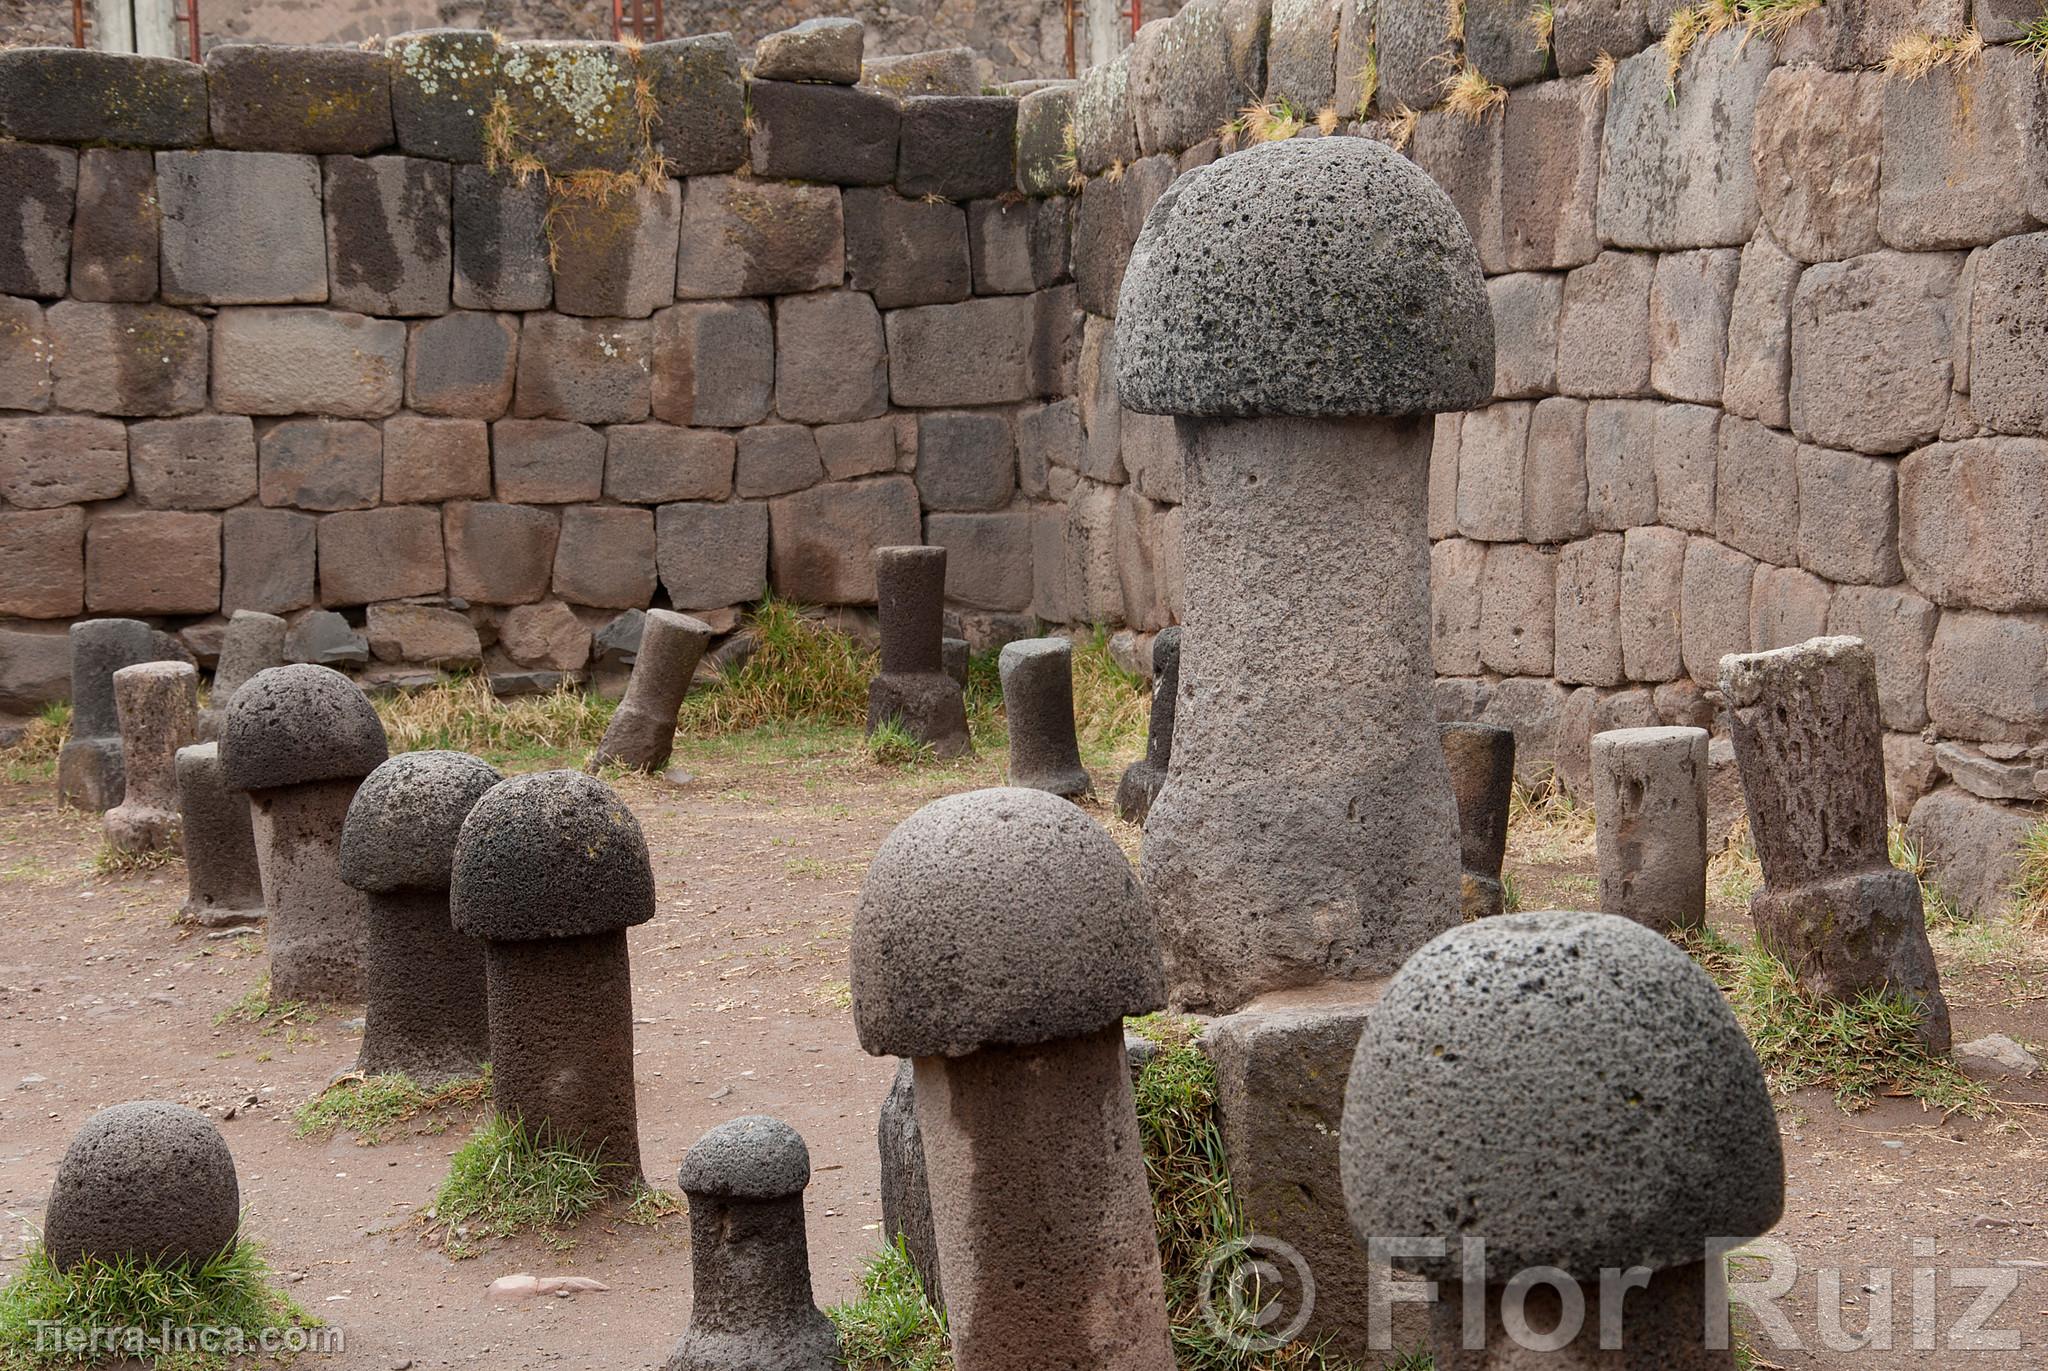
x=1650, y=825
x=1302, y=308
x=1810, y=749
x=1001, y=939
x=550, y=872
x=642, y=731
x=253, y=642
x=750, y=1264
x=914, y=688
x=1143, y=778
x=159, y=705
x=299, y=740
x=905, y=1183
x=223, y=882
x=427, y=1016
x=1481, y=759
x=1038, y=704
x=1571, y=1091
x=89, y=774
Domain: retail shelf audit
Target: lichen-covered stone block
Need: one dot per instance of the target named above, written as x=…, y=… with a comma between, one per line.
x=1758, y=373
x=268, y=560
x=1517, y=605
x=1690, y=299
x=1588, y=613
x=1525, y=314
x=1898, y=627
x=1621, y=470
x=78, y=95
x=1650, y=600
x=1493, y=445
x=1956, y=143
x=241, y=228
x=1464, y=158
x=1046, y=140
x=321, y=464
x=1786, y=607
x=758, y=238
x=605, y=557
x=1105, y=126
x=61, y=459
x=1872, y=339
x=25, y=350
x=1818, y=148
x=1973, y=523
x=699, y=103
x=1603, y=326
x=114, y=233
x=152, y=562
x=42, y=563
x=714, y=364
x=38, y=190
x=973, y=353
x=205, y=461
x=388, y=234
x=500, y=554
x=775, y=459
x=1678, y=170
x=595, y=371
x=1756, y=492
x=380, y=554
x=273, y=97
x=1984, y=675
x=651, y=464
x=831, y=365
x=615, y=257
x=127, y=359
x=1849, y=516
x=443, y=85
x=1181, y=79
x=462, y=365
x=711, y=555
x=307, y=361
x=501, y=244
x=428, y=461
x=547, y=461
x=571, y=106
x=839, y=134
x=907, y=252
x=822, y=540
x=939, y=71
x=965, y=461
x=957, y=147
x=1550, y=135
x=1685, y=447
x=1714, y=595
x=1554, y=472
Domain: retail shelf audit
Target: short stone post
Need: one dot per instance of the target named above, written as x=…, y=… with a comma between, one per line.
x=1481, y=759
x=642, y=731
x=1001, y=939
x=89, y=774
x=159, y=704
x=914, y=688
x=550, y=871
x=1650, y=825
x=299, y=740
x=1615, y=1120
x=954, y=654
x=253, y=642
x=1143, y=778
x=1038, y=702
x=750, y=1264
x=1810, y=749
x=427, y=1013
x=223, y=883
x=1303, y=308
x=144, y=1181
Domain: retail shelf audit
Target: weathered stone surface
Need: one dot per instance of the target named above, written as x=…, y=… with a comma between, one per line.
x=652, y=464
x=1786, y=607
x=1533, y=707
x=68, y=95
x=1465, y=159
x=1045, y=156
x=1554, y=472
x=1985, y=675
x=152, y=563
x=965, y=461
x=1603, y=326
x=758, y=238
x=1714, y=595
x=988, y=562
x=596, y=371
x=700, y=103
x=42, y=563
x=1860, y=33
x=1588, y=613
x=959, y=147
x=546, y=461
x=1650, y=597
x=1517, y=602
x=276, y=98
x=547, y=635
x=1986, y=776
x=443, y=83
x=25, y=350
x=943, y=71
x=710, y=555
x=1756, y=492
x=307, y=361
x=1414, y=48
x=1972, y=849
x=145, y=1181
x=1103, y=238
x=775, y=459
x=1493, y=446
x=1650, y=825
x=1955, y=148
x=1871, y=345
x=126, y=359
x=838, y=134
x=1525, y=314
x=1898, y=627
x=605, y=557
x=207, y=461
x=1678, y=170
x=1105, y=129
x=1582, y=30
x=321, y=464
x=831, y=364
x=240, y=228
x=714, y=363
x=1181, y=78
x=815, y=50
x=35, y=667
x=380, y=554
x=2008, y=316
x=1759, y=364
x=1848, y=516
x=1550, y=134
x=423, y=634
x=114, y=234
x=501, y=246
x=1456, y=569
x=973, y=353
x=1817, y=147
x=571, y=106
x=1443, y=477
x=463, y=365
x=388, y=234
x=616, y=257
x=823, y=539
x=428, y=461
x=1971, y=522
x=1685, y=444
x=1996, y=1057
x=1498, y=42
x=907, y=251
x=867, y=448
x=223, y=883
x=1621, y=473
x=322, y=637
x=1690, y=300
x=62, y=459
x=500, y=554
x=267, y=560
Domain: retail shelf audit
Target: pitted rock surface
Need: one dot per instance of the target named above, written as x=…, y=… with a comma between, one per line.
x=405, y=818
x=290, y=725
x=551, y=855
x=148, y=1180
x=754, y=1157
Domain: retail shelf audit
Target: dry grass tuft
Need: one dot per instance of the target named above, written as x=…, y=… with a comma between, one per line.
x=1542, y=22
x=1327, y=120
x=34, y=754
x=1917, y=54
x=1272, y=122
x=1469, y=95
x=1401, y=128
x=1603, y=72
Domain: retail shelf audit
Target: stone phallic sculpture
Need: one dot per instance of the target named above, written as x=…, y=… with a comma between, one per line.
x=159, y=704
x=1001, y=939
x=1810, y=749
x=906, y=1189
x=914, y=687
x=1303, y=308
x=550, y=871
x=642, y=731
x=253, y=642
x=1650, y=825
x=223, y=884
x=1143, y=778
x=750, y=1265
x=145, y=1181
x=89, y=774
x=1481, y=759
x=1573, y=1091
x=427, y=1008
x=1038, y=701
x=299, y=740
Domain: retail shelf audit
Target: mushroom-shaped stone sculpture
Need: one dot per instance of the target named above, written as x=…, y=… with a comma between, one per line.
x=223, y=883
x=1573, y=1091
x=642, y=731
x=159, y=707
x=300, y=739
x=550, y=872
x=144, y=1181
x=1482, y=762
x=1303, y=307
x=914, y=688
x=426, y=1016
x=1001, y=939
x=750, y=1262
x=1144, y=777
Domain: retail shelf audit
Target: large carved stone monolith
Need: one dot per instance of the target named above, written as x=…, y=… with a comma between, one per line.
x=1143, y=778
x=1650, y=825
x=1001, y=939
x=1303, y=308
x=1571, y=1091
x=223, y=882
x=1481, y=759
x=914, y=688
x=642, y=731
x=159, y=705
x=1810, y=749
x=1038, y=704
x=89, y=774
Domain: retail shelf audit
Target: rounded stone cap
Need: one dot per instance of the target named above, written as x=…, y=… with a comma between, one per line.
x=551, y=855
x=754, y=1157
x=290, y=725
x=1001, y=917
x=146, y=1180
x=1569, y=1087
x=1316, y=277
x=401, y=827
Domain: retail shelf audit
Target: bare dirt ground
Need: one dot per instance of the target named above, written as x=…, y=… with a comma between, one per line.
x=741, y=1007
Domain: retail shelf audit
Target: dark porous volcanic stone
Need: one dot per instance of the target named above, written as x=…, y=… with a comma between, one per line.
x=145, y=1180
x=551, y=855
x=293, y=724
x=406, y=815
x=754, y=1157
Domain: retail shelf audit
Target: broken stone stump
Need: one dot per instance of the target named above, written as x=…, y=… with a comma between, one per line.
x=89, y=774
x=550, y=871
x=299, y=740
x=750, y=1265
x=427, y=1013
x=1808, y=742
x=954, y=652
x=1307, y=830
x=914, y=689
x=159, y=705
x=145, y=1181
x=1038, y=702
x=906, y=1188
x=253, y=642
x=1572, y=1091
x=1650, y=825
x=642, y=731
x=223, y=884
x=1000, y=940
x=1481, y=759
x=1143, y=778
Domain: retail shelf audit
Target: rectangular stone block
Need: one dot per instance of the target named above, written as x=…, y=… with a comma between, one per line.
x=811, y=131
x=759, y=238
x=1621, y=471
x=2007, y=335
x=38, y=189
x=152, y=562
x=1603, y=326
x=321, y=464
x=1517, y=608
x=1849, y=516
x=1554, y=472
x=114, y=236
x=241, y=228
x=649, y=464
x=1525, y=312
x=988, y=557
x=1859, y=33
x=1685, y=448
x=1987, y=676
x=1301, y=53
x=500, y=554
x=1898, y=627
x=1759, y=366
x=1871, y=348
x=823, y=539
x=127, y=359
x=1651, y=597
x=1152, y=457
x=866, y=448
x=1955, y=152
x=572, y=106
x=1786, y=607
x=463, y=365
x=1493, y=446
x=1464, y=158
x=1583, y=30
x=1045, y=139
x=42, y=563
x=615, y=256
x=700, y=103
x=268, y=560
x=61, y=459
x=1498, y=41
x=973, y=353
x=714, y=363
x=1105, y=127
x=1101, y=411
x=1089, y=550
x=501, y=244
x=380, y=554
x=775, y=459
x=1456, y=566
x=1137, y=528
x=1443, y=476
x=443, y=85
x=547, y=462
x=1550, y=134
x=1973, y=523
x=1690, y=299
x=273, y=97
x=1818, y=148
x=67, y=95
x=389, y=234
x=1678, y=169
x=427, y=461
x=307, y=361
x=1756, y=492
x=1714, y=595
x=957, y=147
x=597, y=371
x=1588, y=613
x=965, y=461
x=712, y=555
x=908, y=252
x=832, y=364
x=24, y=355
x=1103, y=238
x=207, y=461
x=606, y=557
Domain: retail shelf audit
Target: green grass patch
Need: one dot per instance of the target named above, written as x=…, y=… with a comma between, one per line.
x=504, y=1180
x=2030, y=886
x=33, y=756
x=518, y=733
x=374, y=1107
x=892, y=745
x=890, y=1325
x=801, y=671
x=232, y=1293
x=113, y=861
x=257, y=1007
